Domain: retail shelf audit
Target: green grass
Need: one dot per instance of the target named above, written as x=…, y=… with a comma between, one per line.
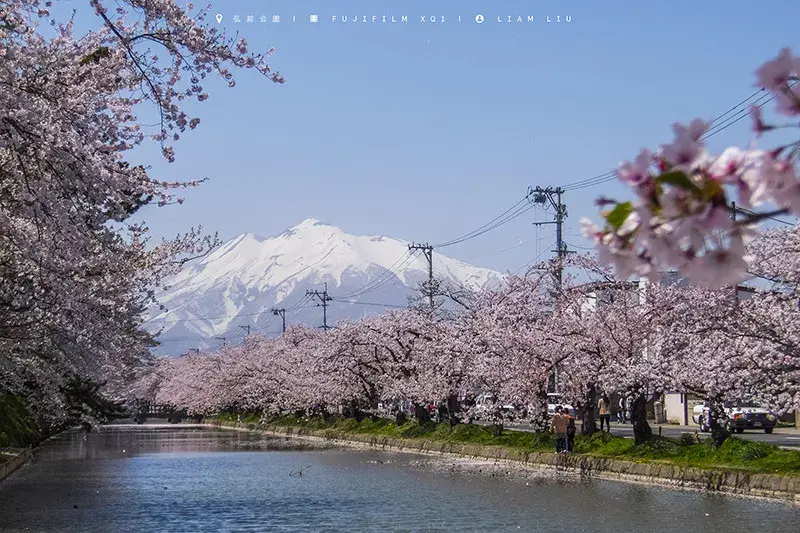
x=734, y=454
x=18, y=428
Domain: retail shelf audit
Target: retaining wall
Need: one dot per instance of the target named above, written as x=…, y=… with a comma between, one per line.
x=18, y=458
x=772, y=486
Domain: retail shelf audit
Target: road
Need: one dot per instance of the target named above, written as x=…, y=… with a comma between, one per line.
x=784, y=437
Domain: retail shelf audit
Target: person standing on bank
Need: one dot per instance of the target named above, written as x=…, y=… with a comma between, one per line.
x=621, y=411
x=604, y=404
x=571, y=428
x=560, y=427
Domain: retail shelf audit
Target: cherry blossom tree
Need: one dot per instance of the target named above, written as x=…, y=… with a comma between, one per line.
x=510, y=363
x=680, y=216
x=76, y=274
x=607, y=329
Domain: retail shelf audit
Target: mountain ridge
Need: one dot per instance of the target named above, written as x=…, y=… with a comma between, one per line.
x=239, y=282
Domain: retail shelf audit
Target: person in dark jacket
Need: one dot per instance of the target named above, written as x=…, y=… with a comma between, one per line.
x=571, y=428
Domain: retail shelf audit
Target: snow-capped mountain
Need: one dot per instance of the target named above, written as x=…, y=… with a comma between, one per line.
x=240, y=282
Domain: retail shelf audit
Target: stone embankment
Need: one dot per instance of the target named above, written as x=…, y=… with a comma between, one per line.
x=11, y=459
x=773, y=486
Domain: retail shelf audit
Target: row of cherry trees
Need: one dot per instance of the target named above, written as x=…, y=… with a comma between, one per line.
x=598, y=334
x=614, y=336
x=76, y=273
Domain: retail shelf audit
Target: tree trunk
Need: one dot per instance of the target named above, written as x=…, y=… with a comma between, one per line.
x=324, y=413
x=353, y=410
x=453, y=409
x=716, y=421
x=540, y=420
x=641, y=429
x=588, y=423
x=497, y=429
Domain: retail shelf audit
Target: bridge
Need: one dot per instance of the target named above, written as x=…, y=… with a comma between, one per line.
x=141, y=410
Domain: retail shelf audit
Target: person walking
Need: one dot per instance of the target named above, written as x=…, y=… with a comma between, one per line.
x=621, y=411
x=571, y=428
x=560, y=427
x=604, y=404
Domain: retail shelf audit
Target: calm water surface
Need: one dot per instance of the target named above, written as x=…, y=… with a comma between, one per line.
x=175, y=479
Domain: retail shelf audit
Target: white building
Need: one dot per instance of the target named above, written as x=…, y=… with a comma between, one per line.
x=675, y=407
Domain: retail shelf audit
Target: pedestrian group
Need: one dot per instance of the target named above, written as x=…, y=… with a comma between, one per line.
x=563, y=422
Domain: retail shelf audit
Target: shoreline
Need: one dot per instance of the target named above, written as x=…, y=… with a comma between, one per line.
x=18, y=458
x=752, y=485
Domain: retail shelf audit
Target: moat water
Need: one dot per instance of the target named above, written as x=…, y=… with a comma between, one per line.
x=189, y=479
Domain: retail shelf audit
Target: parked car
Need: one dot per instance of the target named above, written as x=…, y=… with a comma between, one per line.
x=553, y=400
x=483, y=402
x=739, y=418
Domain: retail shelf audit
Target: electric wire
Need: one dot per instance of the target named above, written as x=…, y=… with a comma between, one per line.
x=386, y=273
x=377, y=304
x=532, y=261
x=753, y=213
x=476, y=231
x=508, y=215
x=384, y=278
x=519, y=211
x=716, y=127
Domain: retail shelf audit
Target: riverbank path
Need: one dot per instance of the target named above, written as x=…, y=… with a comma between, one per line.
x=784, y=437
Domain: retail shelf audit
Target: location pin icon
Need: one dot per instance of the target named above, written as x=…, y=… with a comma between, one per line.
x=219, y=18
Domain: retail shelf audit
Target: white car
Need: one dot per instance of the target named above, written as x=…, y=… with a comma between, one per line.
x=739, y=418
x=483, y=402
x=553, y=401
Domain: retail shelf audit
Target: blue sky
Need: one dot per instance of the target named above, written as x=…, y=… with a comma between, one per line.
x=427, y=131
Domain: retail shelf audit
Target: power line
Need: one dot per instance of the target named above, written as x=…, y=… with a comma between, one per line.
x=508, y=216
x=289, y=309
x=580, y=247
x=377, y=304
x=271, y=289
x=532, y=260
x=373, y=304
x=483, y=229
x=498, y=251
x=736, y=208
x=324, y=299
x=739, y=115
x=385, y=277
x=386, y=273
x=282, y=313
x=427, y=251
x=716, y=127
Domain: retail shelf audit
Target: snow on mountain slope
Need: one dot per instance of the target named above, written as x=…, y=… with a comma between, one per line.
x=239, y=282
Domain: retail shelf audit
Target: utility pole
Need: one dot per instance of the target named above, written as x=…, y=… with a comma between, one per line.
x=539, y=195
x=427, y=251
x=553, y=196
x=735, y=287
x=324, y=298
x=281, y=313
x=246, y=328
x=221, y=339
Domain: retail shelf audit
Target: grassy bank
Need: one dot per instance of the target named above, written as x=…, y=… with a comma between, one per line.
x=18, y=428
x=735, y=454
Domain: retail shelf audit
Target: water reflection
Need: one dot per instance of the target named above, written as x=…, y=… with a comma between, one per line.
x=192, y=479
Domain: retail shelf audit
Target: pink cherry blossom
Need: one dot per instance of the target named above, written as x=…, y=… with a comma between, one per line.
x=77, y=274
x=680, y=221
